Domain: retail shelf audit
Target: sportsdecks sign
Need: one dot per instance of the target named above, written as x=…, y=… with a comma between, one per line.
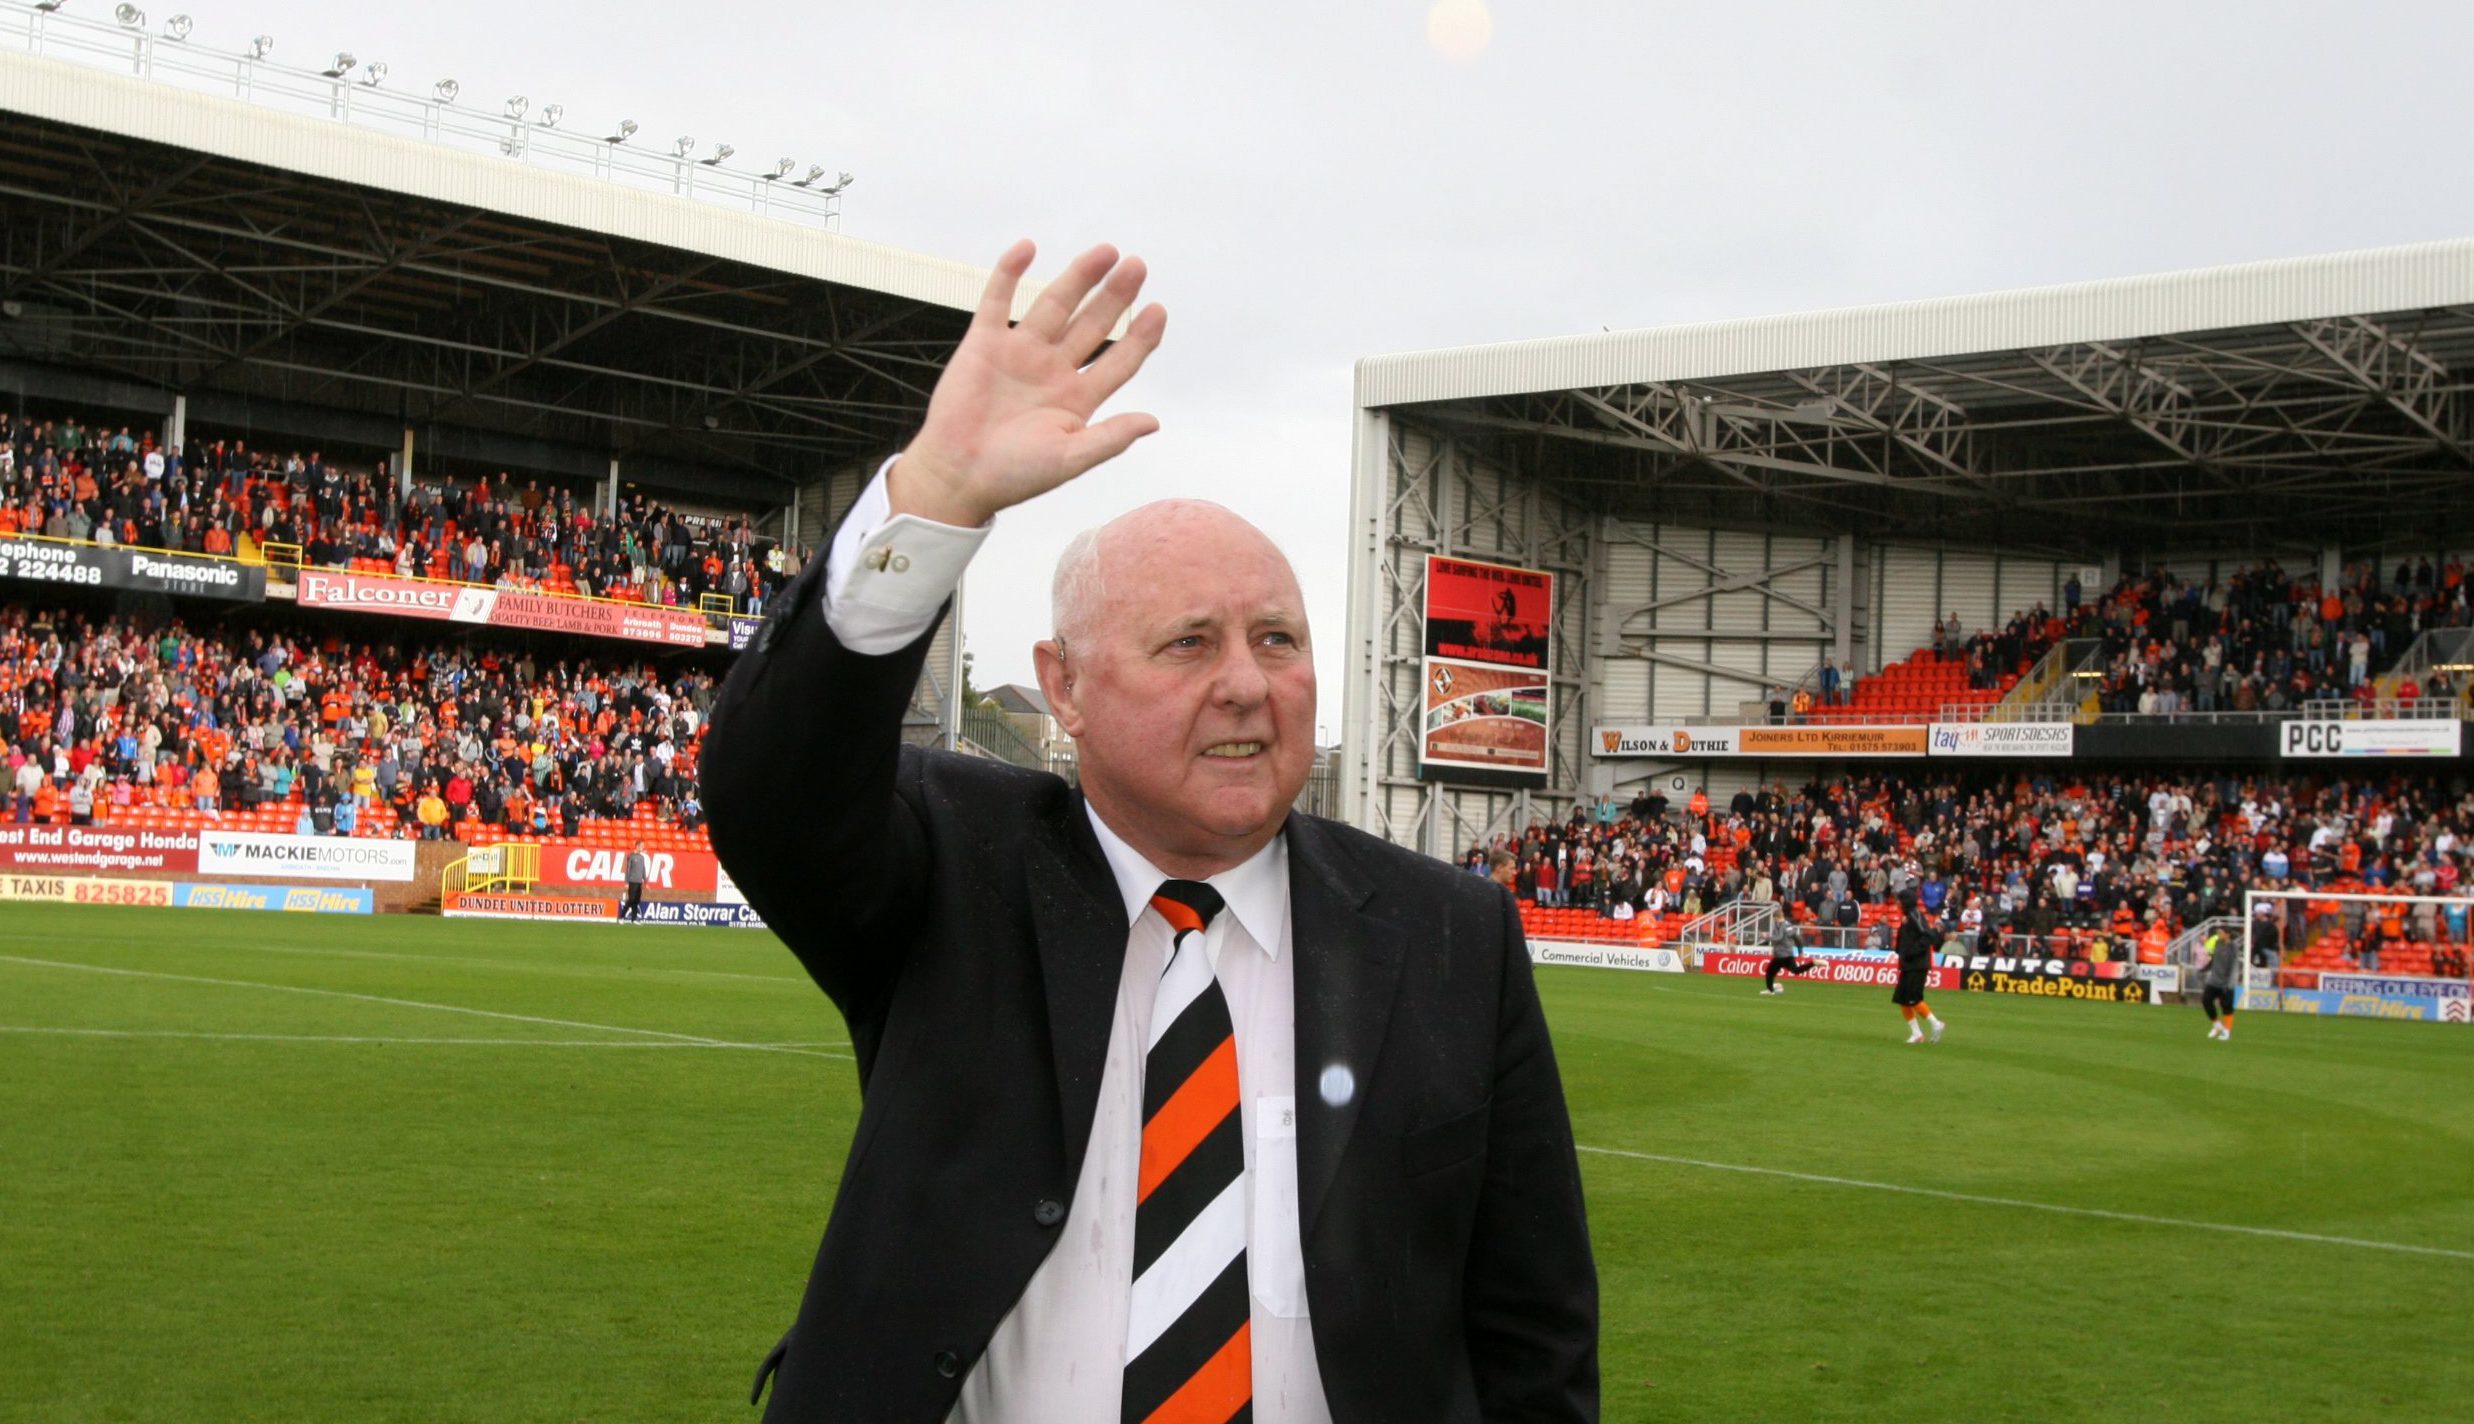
x=2372, y=737
x=130, y=570
x=2002, y=739
x=1489, y=649
x=500, y=608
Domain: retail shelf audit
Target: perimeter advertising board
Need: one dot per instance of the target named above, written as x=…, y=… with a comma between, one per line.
x=1600, y=955
x=88, y=848
x=85, y=890
x=130, y=570
x=570, y=865
x=1488, y=653
x=304, y=857
x=2003, y=739
x=1735, y=741
x=2372, y=737
x=500, y=608
x=1879, y=972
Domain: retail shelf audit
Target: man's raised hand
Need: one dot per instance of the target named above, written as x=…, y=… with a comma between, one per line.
x=1011, y=417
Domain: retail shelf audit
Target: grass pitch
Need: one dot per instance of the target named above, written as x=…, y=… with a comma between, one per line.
x=495, y=1173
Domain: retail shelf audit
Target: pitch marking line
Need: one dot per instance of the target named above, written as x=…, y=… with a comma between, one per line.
x=358, y=1038
x=683, y=1038
x=1974, y=1200
x=354, y=1038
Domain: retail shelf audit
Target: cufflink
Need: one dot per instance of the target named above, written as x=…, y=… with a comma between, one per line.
x=885, y=560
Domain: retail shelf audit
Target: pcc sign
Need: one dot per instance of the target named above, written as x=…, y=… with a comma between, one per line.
x=2305, y=739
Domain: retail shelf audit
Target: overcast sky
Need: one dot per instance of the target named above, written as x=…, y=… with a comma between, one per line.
x=1312, y=183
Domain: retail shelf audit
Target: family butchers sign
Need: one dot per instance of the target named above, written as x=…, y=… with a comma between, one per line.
x=500, y=608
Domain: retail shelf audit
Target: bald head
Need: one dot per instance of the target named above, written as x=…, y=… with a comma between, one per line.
x=1164, y=528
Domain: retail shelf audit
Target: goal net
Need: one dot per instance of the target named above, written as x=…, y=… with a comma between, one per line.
x=2359, y=953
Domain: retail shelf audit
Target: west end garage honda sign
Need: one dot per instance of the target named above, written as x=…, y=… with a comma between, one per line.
x=500, y=608
x=88, y=849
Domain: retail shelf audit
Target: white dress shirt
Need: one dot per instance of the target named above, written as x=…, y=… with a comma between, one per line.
x=1059, y=1354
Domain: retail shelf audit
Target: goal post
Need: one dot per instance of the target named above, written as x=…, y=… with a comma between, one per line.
x=2359, y=953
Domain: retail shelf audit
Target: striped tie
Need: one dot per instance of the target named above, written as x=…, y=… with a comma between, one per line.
x=1188, y=1352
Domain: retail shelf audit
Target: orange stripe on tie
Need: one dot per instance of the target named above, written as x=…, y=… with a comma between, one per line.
x=1181, y=917
x=1206, y=1097
x=1217, y=1391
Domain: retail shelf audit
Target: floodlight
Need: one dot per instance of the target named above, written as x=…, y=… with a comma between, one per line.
x=781, y=169
x=626, y=131
x=261, y=46
x=720, y=152
x=47, y=6
x=342, y=65
x=814, y=172
x=129, y=16
x=685, y=146
x=551, y=114
x=839, y=183
x=447, y=89
x=375, y=74
x=517, y=105
x=178, y=26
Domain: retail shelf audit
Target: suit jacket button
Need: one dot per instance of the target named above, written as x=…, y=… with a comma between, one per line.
x=948, y=1364
x=1049, y=1212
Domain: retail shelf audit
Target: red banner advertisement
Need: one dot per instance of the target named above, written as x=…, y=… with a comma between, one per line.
x=1488, y=657
x=500, y=608
x=1871, y=973
x=90, y=848
x=571, y=865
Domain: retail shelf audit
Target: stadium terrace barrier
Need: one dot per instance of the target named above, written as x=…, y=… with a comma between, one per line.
x=42, y=559
x=2178, y=741
x=1660, y=960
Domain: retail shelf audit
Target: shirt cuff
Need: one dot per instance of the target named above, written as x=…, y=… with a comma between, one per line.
x=888, y=574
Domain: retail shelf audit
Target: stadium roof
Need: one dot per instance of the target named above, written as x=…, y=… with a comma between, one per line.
x=195, y=243
x=2313, y=400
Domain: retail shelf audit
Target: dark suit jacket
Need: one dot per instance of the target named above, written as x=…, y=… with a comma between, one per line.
x=960, y=915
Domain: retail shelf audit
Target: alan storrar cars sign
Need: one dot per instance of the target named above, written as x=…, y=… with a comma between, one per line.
x=130, y=570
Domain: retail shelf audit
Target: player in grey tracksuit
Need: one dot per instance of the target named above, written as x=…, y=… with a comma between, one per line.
x=1783, y=959
x=2217, y=979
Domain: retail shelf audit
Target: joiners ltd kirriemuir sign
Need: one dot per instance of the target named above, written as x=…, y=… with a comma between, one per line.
x=129, y=570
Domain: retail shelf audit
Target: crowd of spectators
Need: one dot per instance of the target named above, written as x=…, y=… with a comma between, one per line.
x=2120, y=861
x=70, y=481
x=426, y=738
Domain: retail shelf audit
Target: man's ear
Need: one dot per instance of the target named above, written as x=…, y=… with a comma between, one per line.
x=1056, y=683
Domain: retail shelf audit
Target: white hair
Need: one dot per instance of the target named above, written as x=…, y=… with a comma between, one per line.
x=1074, y=596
